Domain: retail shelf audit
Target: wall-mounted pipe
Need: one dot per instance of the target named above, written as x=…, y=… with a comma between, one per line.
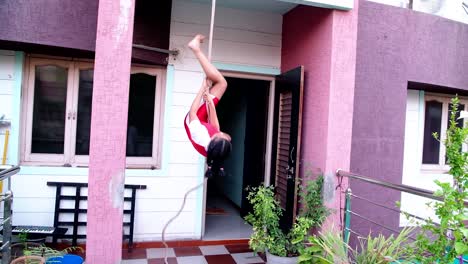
x=167, y=51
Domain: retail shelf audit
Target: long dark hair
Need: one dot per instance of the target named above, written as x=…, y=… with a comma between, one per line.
x=218, y=151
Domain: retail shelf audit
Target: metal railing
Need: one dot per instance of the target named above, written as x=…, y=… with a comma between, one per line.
x=349, y=196
x=7, y=199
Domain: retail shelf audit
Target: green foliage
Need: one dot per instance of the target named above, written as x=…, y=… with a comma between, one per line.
x=265, y=221
x=23, y=237
x=40, y=250
x=312, y=200
x=267, y=234
x=381, y=250
x=449, y=239
x=47, y=252
x=330, y=248
x=326, y=248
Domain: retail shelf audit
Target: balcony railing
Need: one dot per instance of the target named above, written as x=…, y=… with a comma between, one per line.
x=349, y=214
x=5, y=221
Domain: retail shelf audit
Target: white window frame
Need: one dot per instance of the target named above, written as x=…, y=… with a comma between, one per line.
x=70, y=119
x=53, y=159
x=445, y=99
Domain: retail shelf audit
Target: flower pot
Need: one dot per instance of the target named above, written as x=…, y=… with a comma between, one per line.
x=28, y=259
x=272, y=259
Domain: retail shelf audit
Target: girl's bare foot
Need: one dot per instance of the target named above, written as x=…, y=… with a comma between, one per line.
x=194, y=44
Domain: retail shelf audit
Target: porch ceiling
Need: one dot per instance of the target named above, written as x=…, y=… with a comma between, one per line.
x=271, y=6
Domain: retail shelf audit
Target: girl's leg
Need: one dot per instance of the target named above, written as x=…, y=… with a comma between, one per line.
x=219, y=83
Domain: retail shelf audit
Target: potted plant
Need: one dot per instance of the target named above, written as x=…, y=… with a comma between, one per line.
x=268, y=237
x=34, y=253
x=312, y=201
x=29, y=252
x=327, y=247
x=28, y=260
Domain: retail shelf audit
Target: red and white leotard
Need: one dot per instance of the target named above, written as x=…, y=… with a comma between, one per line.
x=200, y=131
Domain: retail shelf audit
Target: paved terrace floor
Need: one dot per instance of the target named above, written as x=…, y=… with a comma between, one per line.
x=219, y=254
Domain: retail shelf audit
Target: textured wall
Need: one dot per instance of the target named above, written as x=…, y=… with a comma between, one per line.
x=395, y=46
x=327, y=49
x=72, y=25
x=311, y=47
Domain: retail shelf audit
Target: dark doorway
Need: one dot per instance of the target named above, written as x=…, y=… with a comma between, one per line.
x=242, y=113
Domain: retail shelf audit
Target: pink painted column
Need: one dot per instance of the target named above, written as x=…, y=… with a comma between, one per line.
x=109, y=131
x=324, y=41
x=341, y=104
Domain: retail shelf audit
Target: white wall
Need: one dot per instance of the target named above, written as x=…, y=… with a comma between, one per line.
x=7, y=72
x=399, y=3
x=451, y=9
x=412, y=173
x=242, y=38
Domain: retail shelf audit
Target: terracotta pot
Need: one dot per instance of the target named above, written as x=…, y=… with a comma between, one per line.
x=272, y=259
x=27, y=259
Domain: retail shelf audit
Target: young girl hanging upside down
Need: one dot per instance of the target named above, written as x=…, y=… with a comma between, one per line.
x=201, y=123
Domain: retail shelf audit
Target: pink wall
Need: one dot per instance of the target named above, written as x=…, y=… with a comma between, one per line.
x=324, y=41
x=109, y=131
x=310, y=46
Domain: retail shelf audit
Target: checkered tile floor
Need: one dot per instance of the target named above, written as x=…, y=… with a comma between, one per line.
x=235, y=254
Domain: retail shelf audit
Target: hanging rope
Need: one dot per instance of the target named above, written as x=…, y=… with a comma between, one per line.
x=177, y=215
x=210, y=40
x=210, y=49
x=210, y=43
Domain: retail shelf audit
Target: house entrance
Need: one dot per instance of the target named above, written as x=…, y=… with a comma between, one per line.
x=242, y=113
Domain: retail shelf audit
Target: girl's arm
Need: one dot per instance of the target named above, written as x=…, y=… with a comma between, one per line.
x=196, y=103
x=212, y=116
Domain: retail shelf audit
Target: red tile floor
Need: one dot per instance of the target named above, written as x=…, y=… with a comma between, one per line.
x=220, y=254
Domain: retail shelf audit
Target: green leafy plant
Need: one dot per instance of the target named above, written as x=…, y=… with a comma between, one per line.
x=312, y=201
x=325, y=248
x=381, y=249
x=23, y=237
x=267, y=234
x=48, y=252
x=329, y=247
x=40, y=250
x=443, y=242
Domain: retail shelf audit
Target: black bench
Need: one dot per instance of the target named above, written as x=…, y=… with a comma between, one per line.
x=77, y=211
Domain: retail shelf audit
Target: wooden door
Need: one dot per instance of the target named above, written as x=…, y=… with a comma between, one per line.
x=287, y=141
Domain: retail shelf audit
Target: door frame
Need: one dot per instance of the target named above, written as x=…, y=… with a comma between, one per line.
x=271, y=112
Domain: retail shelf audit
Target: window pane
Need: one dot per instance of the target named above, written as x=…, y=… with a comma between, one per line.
x=432, y=123
x=141, y=115
x=83, y=126
x=50, y=98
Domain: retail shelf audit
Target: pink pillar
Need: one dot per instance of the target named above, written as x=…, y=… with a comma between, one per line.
x=324, y=41
x=109, y=131
x=341, y=102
